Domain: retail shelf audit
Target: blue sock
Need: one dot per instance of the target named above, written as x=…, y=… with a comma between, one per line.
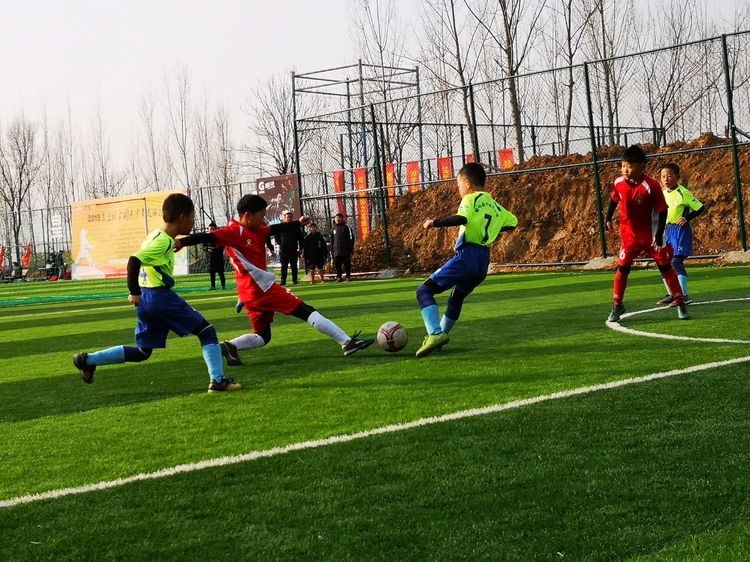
x=683, y=283
x=109, y=356
x=214, y=362
x=431, y=318
x=446, y=324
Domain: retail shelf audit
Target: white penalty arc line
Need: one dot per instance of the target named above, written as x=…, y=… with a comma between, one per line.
x=336, y=439
x=618, y=328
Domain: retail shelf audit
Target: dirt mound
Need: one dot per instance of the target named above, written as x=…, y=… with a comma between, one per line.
x=557, y=210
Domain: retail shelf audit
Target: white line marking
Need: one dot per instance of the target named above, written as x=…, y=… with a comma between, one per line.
x=393, y=428
x=618, y=328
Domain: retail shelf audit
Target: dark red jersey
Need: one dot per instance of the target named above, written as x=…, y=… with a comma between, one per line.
x=639, y=206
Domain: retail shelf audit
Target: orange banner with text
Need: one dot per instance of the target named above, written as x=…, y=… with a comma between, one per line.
x=506, y=160
x=106, y=232
x=445, y=167
x=363, y=203
x=412, y=176
x=338, y=187
x=390, y=181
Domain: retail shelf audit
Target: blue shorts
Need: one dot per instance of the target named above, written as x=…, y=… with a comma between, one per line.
x=465, y=270
x=681, y=239
x=160, y=311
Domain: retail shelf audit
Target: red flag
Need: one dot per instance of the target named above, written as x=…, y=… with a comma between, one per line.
x=2, y=260
x=26, y=257
x=390, y=181
x=412, y=176
x=506, y=158
x=363, y=203
x=445, y=167
x=338, y=187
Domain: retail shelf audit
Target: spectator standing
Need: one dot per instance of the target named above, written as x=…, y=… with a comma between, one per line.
x=315, y=252
x=215, y=260
x=290, y=248
x=342, y=245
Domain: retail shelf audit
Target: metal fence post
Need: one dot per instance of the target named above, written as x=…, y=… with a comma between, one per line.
x=473, y=130
x=595, y=162
x=733, y=136
x=296, y=142
x=378, y=169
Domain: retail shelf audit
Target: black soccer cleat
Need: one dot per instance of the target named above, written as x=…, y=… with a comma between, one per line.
x=355, y=344
x=87, y=371
x=230, y=353
x=225, y=385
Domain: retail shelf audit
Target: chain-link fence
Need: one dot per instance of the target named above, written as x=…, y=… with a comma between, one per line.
x=357, y=159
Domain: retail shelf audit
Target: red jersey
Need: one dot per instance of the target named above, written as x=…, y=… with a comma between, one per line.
x=247, y=252
x=639, y=204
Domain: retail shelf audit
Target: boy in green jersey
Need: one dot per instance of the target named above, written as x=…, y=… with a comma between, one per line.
x=481, y=220
x=158, y=307
x=683, y=208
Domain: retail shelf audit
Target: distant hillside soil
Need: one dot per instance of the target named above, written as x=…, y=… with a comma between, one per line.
x=556, y=210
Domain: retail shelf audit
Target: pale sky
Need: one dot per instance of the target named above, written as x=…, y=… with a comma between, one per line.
x=107, y=54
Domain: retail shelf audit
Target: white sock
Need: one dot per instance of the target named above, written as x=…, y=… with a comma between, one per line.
x=325, y=326
x=666, y=286
x=248, y=341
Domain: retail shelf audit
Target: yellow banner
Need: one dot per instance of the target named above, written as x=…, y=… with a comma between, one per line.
x=106, y=232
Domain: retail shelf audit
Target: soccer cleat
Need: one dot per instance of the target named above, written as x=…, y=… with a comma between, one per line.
x=687, y=299
x=682, y=312
x=230, y=353
x=355, y=344
x=225, y=385
x=616, y=313
x=239, y=306
x=87, y=371
x=432, y=343
x=668, y=299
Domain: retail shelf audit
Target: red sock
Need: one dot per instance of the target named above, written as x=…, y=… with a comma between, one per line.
x=670, y=278
x=621, y=282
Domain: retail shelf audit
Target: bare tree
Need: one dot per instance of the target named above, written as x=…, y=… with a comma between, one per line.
x=19, y=165
x=272, y=122
x=179, y=114
x=154, y=155
x=518, y=25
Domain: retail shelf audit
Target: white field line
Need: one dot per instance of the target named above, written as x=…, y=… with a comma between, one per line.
x=394, y=428
x=618, y=328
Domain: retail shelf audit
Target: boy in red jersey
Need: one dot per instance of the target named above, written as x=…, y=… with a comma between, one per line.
x=244, y=241
x=641, y=197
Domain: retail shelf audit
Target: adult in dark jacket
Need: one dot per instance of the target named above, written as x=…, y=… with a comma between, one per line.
x=215, y=261
x=342, y=245
x=315, y=252
x=290, y=248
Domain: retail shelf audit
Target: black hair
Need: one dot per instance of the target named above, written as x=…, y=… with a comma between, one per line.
x=175, y=205
x=338, y=215
x=212, y=224
x=475, y=173
x=634, y=155
x=672, y=166
x=250, y=204
x=312, y=224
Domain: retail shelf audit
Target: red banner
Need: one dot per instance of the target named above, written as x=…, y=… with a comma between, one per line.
x=412, y=176
x=363, y=203
x=445, y=167
x=506, y=159
x=469, y=158
x=2, y=260
x=338, y=187
x=390, y=181
x=26, y=257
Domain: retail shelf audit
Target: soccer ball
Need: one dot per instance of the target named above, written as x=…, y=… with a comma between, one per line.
x=392, y=337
